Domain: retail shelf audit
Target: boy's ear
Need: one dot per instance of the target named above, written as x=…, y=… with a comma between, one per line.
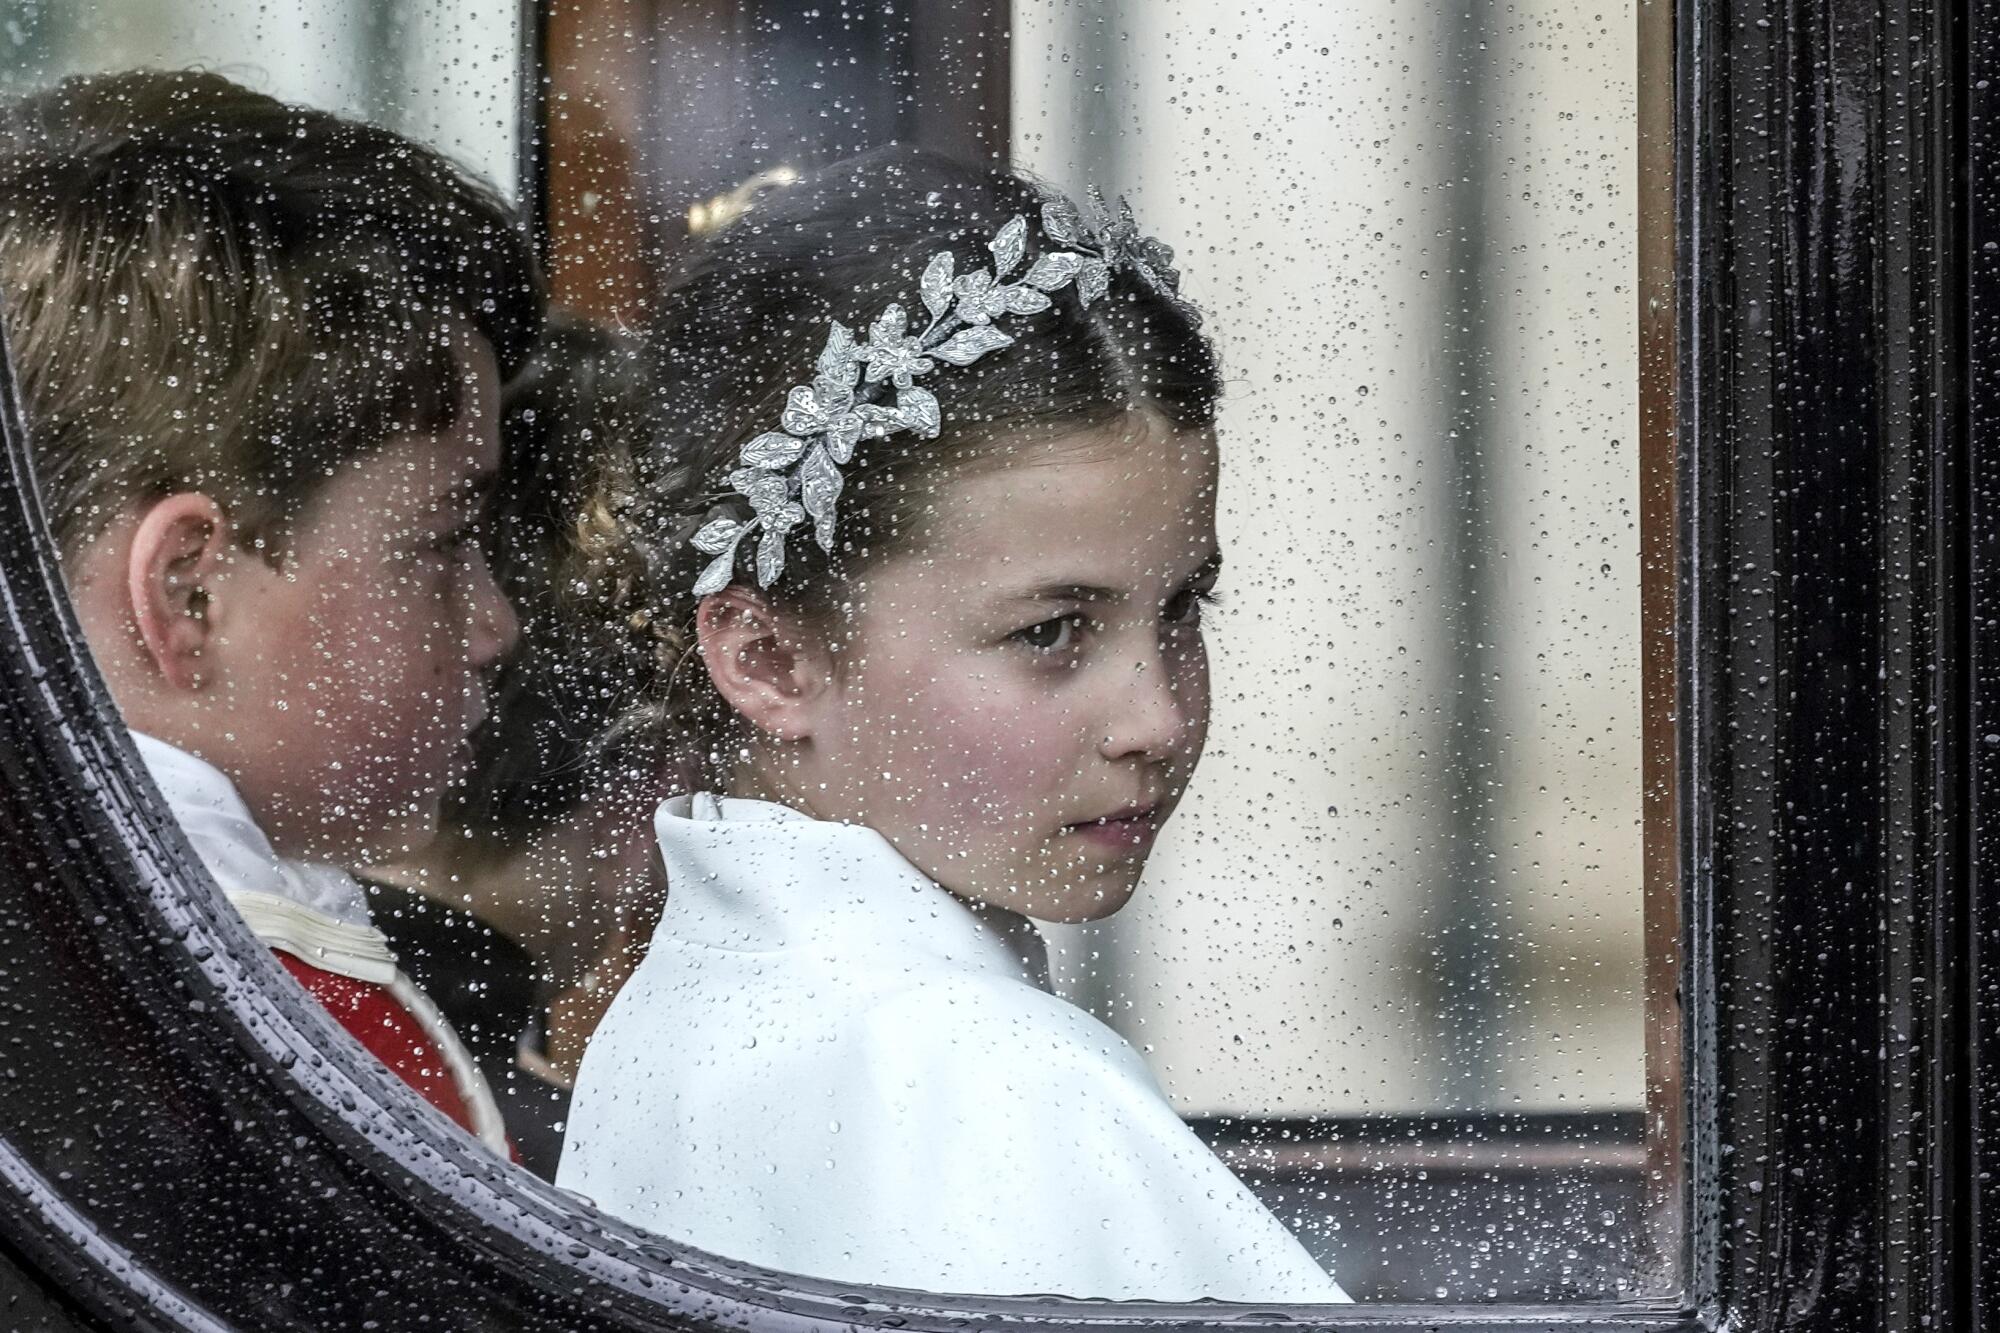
x=760, y=665
x=175, y=558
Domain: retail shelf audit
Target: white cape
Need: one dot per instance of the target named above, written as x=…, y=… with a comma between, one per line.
x=829, y=1066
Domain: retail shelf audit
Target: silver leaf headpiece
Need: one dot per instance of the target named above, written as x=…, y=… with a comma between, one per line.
x=786, y=476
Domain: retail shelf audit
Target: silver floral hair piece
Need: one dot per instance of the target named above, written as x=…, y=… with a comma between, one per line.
x=787, y=476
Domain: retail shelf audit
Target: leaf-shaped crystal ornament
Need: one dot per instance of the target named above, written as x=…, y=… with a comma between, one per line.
x=918, y=411
x=967, y=346
x=837, y=359
x=937, y=284
x=718, y=535
x=1023, y=300
x=1009, y=247
x=718, y=574
x=770, y=557
x=889, y=326
x=1093, y=280
x=772, y=450
x=1053, y=271
x=1063, y=224
x=787, y=476
x=819, y=487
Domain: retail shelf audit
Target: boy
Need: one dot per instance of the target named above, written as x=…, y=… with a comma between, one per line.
x=260, y=351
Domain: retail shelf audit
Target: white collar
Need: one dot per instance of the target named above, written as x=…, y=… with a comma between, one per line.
x=754, y=876
x=317, y=912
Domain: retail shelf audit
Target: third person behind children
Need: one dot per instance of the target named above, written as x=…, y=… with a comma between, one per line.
x=528, y=911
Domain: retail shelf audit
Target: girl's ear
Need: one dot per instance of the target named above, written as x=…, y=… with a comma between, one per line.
x=761, y=664
x=170, y=575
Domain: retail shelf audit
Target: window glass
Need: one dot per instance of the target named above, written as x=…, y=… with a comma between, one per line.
x=1421, y=803
x=444, y=71
x=1406, y=886
x=932, y=619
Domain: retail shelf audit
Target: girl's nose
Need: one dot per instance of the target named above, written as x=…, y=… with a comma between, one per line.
x=1149, y=719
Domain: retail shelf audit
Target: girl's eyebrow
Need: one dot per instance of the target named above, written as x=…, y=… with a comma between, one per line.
x=1091, y=592
x=1071, y=592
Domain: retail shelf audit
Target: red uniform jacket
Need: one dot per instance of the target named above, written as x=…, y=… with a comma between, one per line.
x=389, y=1031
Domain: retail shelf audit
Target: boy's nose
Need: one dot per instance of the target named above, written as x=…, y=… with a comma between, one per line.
x=496, y=629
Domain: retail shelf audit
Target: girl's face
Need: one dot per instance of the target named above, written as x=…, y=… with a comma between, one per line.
x=1017, y=704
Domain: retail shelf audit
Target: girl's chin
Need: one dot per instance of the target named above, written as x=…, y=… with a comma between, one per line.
x=1068, y=881
x=1092, y=899
x=1084, y=898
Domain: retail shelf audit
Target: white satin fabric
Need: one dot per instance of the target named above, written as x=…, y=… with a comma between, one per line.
x=829, y=1066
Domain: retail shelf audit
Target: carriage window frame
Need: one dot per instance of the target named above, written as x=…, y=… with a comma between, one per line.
x=650, y=115
x=1869, y=511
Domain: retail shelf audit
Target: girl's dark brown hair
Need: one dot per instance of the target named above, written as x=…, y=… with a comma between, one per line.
x=744, y=323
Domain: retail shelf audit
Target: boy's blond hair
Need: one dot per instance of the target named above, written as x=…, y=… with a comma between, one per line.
x=205, y=288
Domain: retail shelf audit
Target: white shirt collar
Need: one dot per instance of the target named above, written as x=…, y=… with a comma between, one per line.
x=754, y=876
x=317, y=912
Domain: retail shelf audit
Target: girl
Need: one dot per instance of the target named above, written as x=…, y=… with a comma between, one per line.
x=921, y=573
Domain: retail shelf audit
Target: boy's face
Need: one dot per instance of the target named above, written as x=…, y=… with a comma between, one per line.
x=347, y=680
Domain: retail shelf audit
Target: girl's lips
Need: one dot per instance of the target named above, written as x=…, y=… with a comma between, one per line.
x=1134, y=827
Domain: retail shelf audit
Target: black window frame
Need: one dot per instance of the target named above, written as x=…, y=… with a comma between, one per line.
x=186, y=1142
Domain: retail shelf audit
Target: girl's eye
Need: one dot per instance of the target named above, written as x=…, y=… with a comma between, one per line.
x=1054, y=635
x=1184, y=607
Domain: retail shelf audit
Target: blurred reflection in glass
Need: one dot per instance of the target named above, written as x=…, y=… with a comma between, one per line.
x=525, y=915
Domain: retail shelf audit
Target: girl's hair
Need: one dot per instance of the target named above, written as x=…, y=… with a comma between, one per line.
x=744, y=323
